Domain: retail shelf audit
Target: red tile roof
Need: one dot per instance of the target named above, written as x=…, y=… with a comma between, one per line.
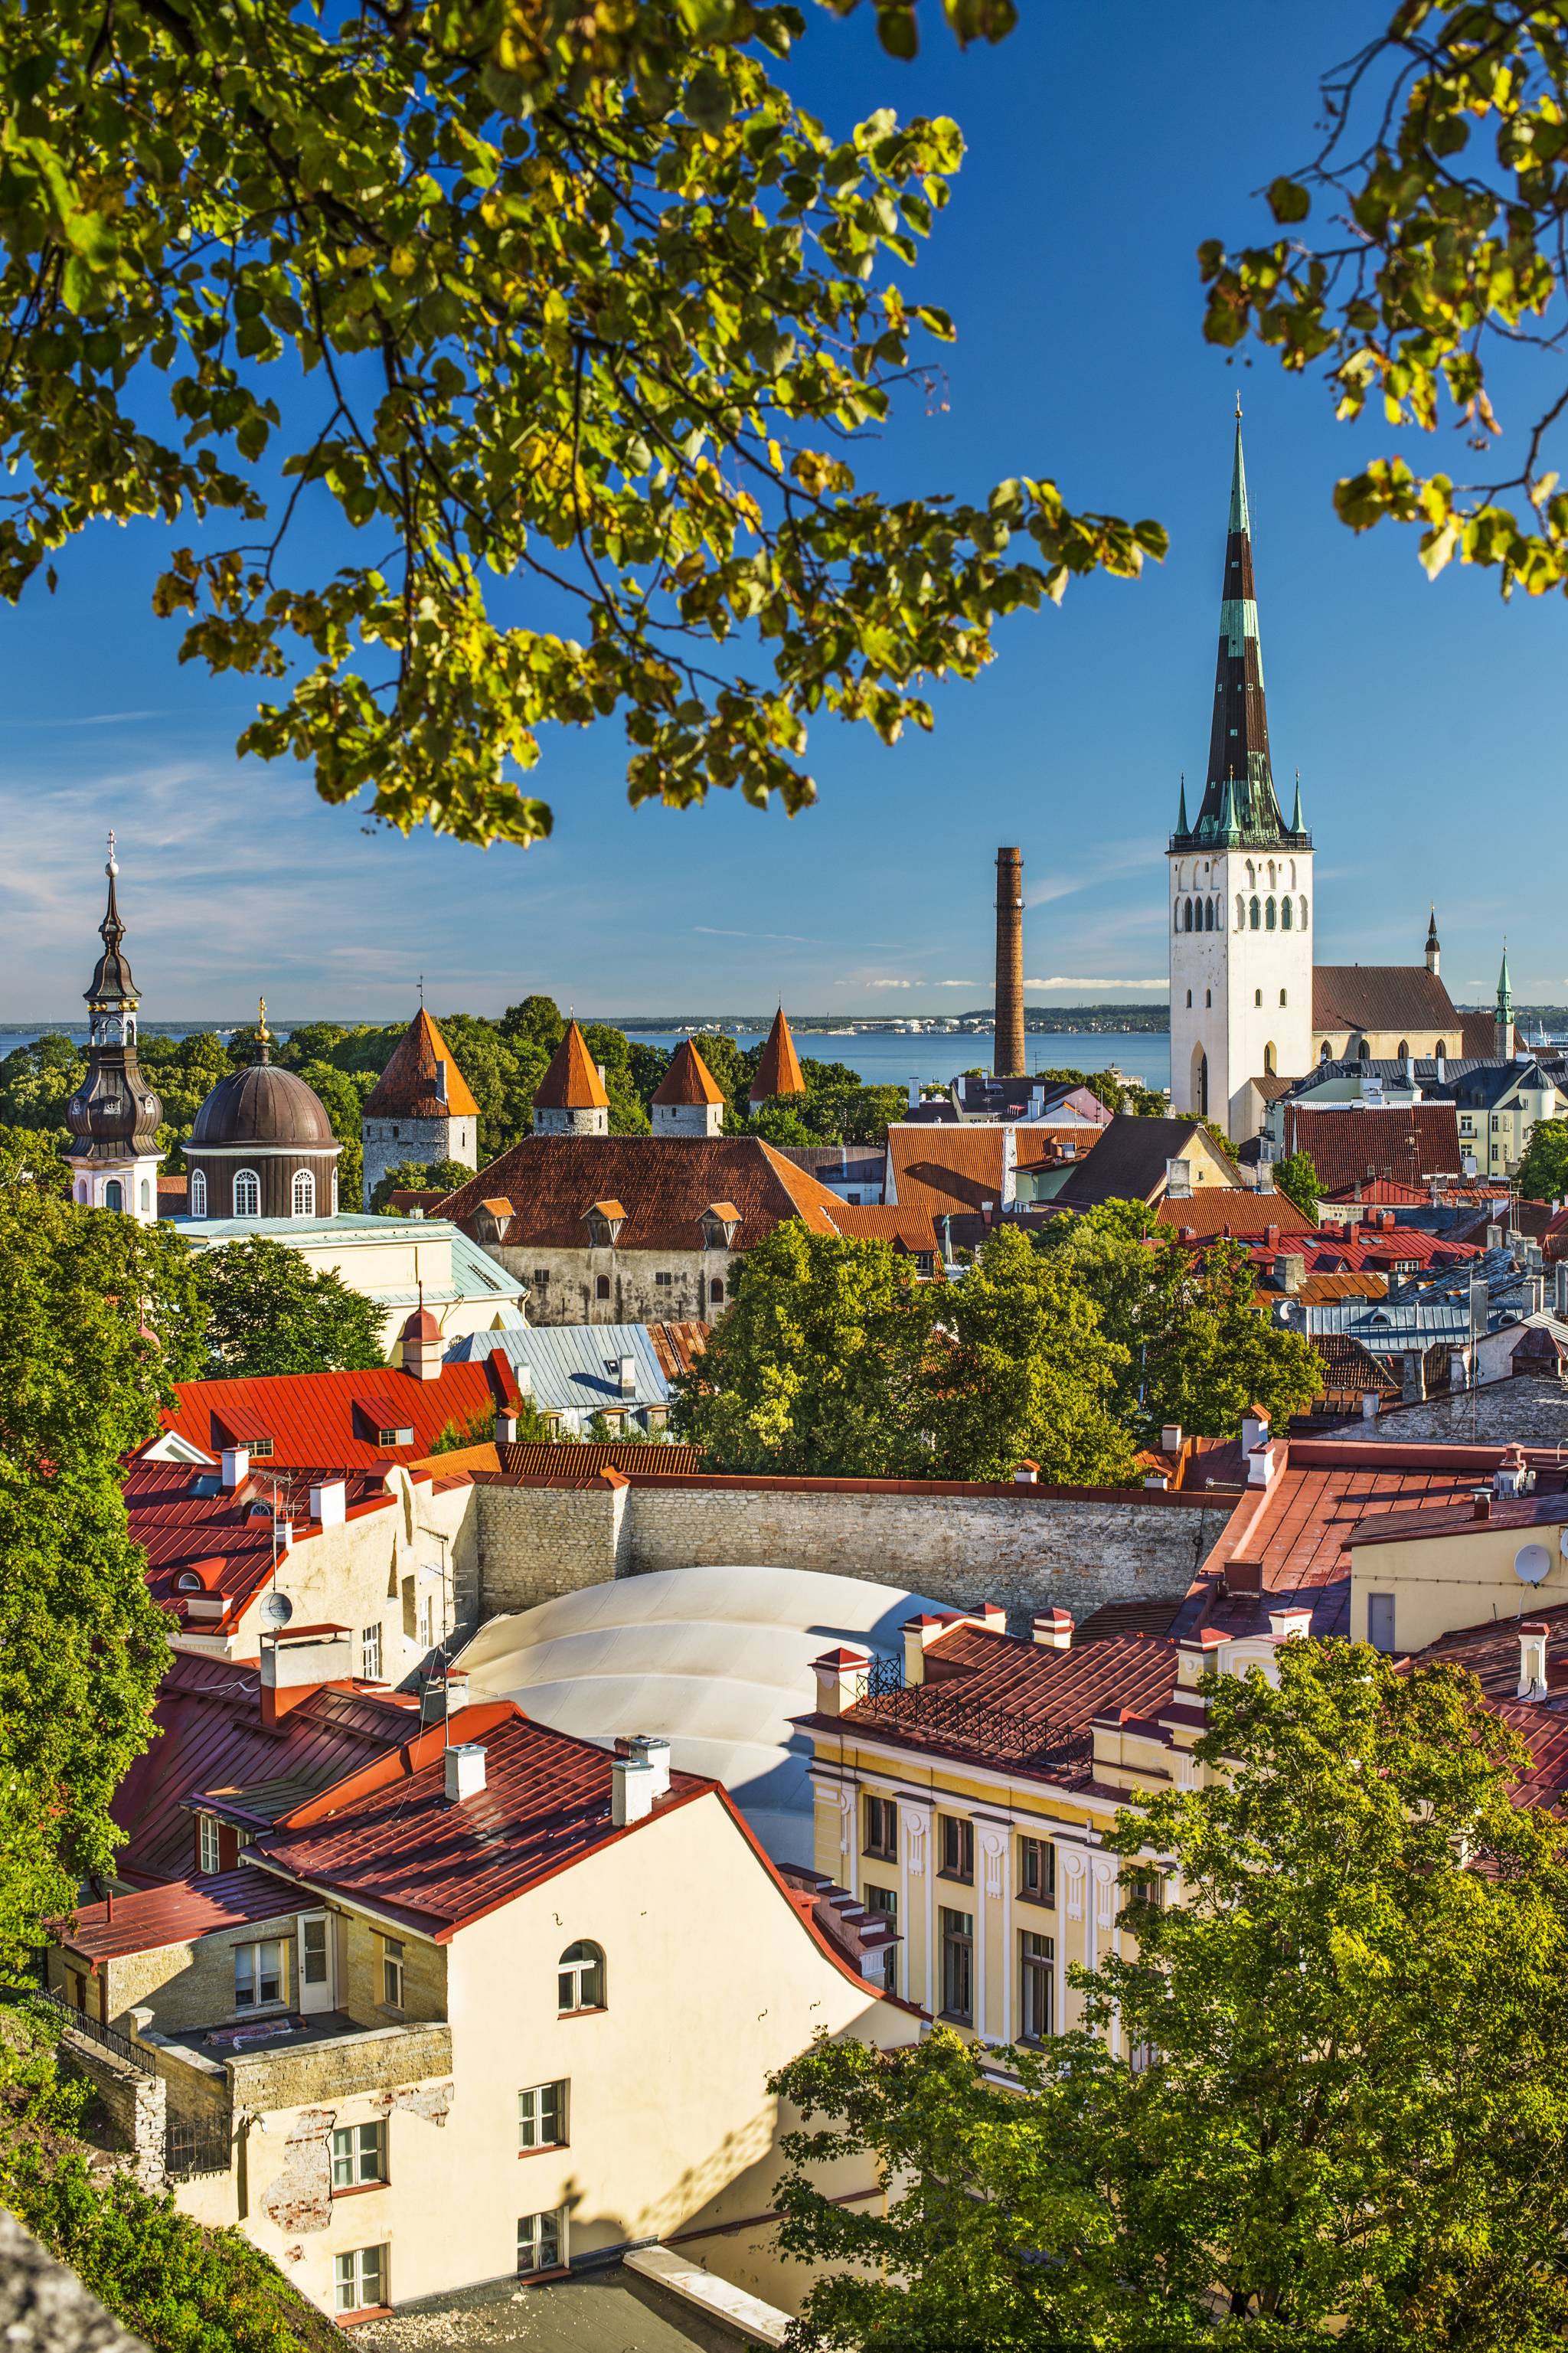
x=667, y=1185
x=408, y=1088
x=331, y=1417
x=779, y=1072
x=911, y=1230
x=212, y=1738
x=689, y=1079
x=1406, y=1143
x=225, y=1541
x=392, y=1839
x=946, y=1171
x=1382, y=1194
x=581, y=1460
x=1490, y=1651
x=1361, y=1283
x=1215, y=1210
x=573, y=1082
x=176, y=1913
x=1384, y=997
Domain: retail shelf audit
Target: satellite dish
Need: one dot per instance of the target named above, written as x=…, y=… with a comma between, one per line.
x=1531, y=1562
x=277, y=1608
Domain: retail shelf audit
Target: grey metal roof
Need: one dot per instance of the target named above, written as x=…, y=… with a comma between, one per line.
x=570, y=1363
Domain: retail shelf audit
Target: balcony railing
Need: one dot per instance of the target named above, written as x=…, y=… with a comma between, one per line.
x=66, y=2014
x=935, y=1712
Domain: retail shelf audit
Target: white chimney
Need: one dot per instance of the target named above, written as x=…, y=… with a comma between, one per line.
x=652, y=1749
x=236, y=1465
x=1261, y=1465
x=839, y=1684
x=1053, y=1629
x=465, y=1770
x=1254, y=1428
x=505, y=1425
x=1370, y=1403
x=1170, y=1438
x=329, y=1503
x=1532, y=1660
x=632, y=1791
x=1285, y=1623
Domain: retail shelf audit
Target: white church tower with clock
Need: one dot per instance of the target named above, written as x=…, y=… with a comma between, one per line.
x=1241, y=899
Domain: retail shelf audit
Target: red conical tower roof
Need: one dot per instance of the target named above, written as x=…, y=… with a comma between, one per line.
x=689, y=1079
x=779, y=1072
x=573, y=1082
x=408, y=1086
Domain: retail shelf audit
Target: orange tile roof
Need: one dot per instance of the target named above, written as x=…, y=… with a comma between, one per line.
x=407, y=1088
x=689, y=1079
x=584, y=1459
x=1362, y=1283
x=948, y=1171
x=1213, y=1210
x=149, y=1917
x=573, y=1082
x=907, y=1228
x=1406, y=1143
x=667, y=1186
x=779, y=1072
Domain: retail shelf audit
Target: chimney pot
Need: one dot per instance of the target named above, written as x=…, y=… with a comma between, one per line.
x=1482, y=1503
x=236, y=1467
x=652, y=1749
x=632, y=1790
x=465, y=1763
x=839, y=1675
x=1025, y=1473
x=1370, y=1403
x=1171, y=1437
x=1054, y=1628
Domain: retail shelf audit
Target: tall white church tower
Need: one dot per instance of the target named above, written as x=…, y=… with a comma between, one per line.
x=1240, y=882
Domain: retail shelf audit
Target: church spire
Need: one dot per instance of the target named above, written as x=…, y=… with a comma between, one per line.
x=1297, y=824
x=1181, y=824
x=1504, y=1026
x=1238, y=740
x=1434, y=945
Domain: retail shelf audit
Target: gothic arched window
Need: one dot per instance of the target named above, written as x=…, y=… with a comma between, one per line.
x=1176, y=916
x=198, y=1193
x=1285, y=913
x=1187, y=915
x=1282, y=997
x=1440, y=1049
x=1270, y=914
x=1255, y=913
x=1270, y=1061
x=1240, y=913
x=1303, y=914
x=1404, y=1049
x=1210, y=915
x=247, y=1193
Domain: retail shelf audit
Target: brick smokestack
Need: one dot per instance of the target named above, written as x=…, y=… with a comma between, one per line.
x=1009, y=1059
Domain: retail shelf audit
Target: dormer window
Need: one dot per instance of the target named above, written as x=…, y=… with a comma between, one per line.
x=721, y=1224
x=402, y=1435
x=603, y=1221
x=188, y=1582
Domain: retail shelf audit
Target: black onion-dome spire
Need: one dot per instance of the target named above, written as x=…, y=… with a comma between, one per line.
x=1240, y=806
x=114, y=1114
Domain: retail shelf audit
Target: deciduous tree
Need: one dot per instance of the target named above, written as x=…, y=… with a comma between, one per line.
x=1544, y=1171
x=271, y=1313
x=1296, y=1177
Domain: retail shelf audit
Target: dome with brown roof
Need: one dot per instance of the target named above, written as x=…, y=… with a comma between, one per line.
x=262, y=1145
x=264, y=1105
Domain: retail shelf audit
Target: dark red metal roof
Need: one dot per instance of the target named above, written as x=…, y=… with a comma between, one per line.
x=227, y=1540
x=175, y=1913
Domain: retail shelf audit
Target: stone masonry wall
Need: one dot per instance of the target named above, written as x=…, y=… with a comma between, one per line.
x=1046, y=1549
x=136, y=2104
x=1528, y=1411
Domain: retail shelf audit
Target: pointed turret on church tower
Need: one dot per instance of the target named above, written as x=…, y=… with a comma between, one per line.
x=1434, y=944
x=1241, y=880
x=114, y=1114
x=1504, y=1032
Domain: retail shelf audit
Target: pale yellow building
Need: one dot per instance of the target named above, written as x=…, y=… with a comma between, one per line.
x=501, y=2001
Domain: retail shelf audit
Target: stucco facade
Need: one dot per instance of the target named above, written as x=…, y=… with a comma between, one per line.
x=1241, y=986
x=618, y=1286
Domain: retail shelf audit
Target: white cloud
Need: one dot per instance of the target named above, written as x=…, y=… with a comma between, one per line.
x=858, y=980
x=1059, y=980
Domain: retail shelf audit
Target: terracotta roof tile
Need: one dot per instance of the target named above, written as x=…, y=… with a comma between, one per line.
x=1384, y=997
x=408, y=1088
x=1215, y=1210
x=689, y=1079
x=582, y=1460
x=947, y=1171
x=779, y=1072
x=910, y=1230
x=667, y=1186
x=1406, y=1144
x=573, y=1082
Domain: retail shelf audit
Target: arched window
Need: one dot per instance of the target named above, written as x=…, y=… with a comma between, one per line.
x=304, y=1193
x=716, y=1291
x=1200, y=1090
x=1186, y=914
x=1285, y=914
x=1208, y=915
x=81, y=1190
x=1441, y=1048
x=602, y=1287
x=1271, y=874
x=1282, y=997
x=1176, y=916
x=198, y=1193
x=247, y=1193
x=1303, y=914
x=1404, y=1049
x=1326, y=1053
x=1361, y=1050
x=580, y=1979
x=146, y=1194
x=1251, y=875
x=1240, y=913
x=114, y=1194
x=187, y=1581
x=1258, y=997
x=1270, y=1061
x=1270, y=914
x=1208, y=997
x=1254, y=913
x=1189, y=998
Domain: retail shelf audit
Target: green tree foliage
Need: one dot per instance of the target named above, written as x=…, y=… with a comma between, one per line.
x=37, y=1080
x=184, y=1071
x=1438, y=184
x=270, y=1313
x=32, y=1156
x=1194, y=1348
x=98, y=1316
x=1296, y=1177
x=418, y=1177
x=832, y=1360
x=587, y=306
x=1544, y=1171
x=1354, y=2114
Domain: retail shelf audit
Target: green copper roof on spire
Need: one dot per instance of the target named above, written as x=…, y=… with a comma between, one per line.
x=1504, y=990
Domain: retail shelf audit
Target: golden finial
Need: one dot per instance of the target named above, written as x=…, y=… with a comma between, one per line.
x=263, y=1035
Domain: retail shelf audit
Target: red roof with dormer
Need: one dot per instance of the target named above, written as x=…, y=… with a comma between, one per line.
x=311, y=1418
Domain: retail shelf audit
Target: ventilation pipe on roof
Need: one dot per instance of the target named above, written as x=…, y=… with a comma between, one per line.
x=236, y=1467
x=464, y=1764
x=1532, y=1660
x=1442, y=1066
x=632, y=1791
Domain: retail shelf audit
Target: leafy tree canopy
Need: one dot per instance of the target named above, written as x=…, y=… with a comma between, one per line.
x=1353, y=2110
x=589, y=317
x=1544, y=1171
x=1296, y=1177
x=98, y=1316
x=418, y=1177
x=1424, y=233
x=271, y=1313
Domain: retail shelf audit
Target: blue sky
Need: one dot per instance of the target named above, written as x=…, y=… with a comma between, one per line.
x=1103, y=144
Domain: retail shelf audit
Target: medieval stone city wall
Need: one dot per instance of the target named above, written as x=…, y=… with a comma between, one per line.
x=1047, y=1548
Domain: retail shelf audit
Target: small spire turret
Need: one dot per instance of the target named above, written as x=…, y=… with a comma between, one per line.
x=1434, y=945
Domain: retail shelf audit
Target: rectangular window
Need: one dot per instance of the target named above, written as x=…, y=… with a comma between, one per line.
x=209, y=1842
x=540, y=2239
x=958, y=1966
x=542, y=2116
x=260, y=1449
x=370, y=1654
x=663, y=1281
x=1038, y=1959
x=883, y=1828
x=541, y=1278
x=359, y=2280
x=359, y=2155
x=426, y=1636
x=885, y=1900
x=392, y=1972
x=1037, y=1871
x=313, y=1946
x=1147, y=1887
x=259, y=1976
x=957, y=1849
